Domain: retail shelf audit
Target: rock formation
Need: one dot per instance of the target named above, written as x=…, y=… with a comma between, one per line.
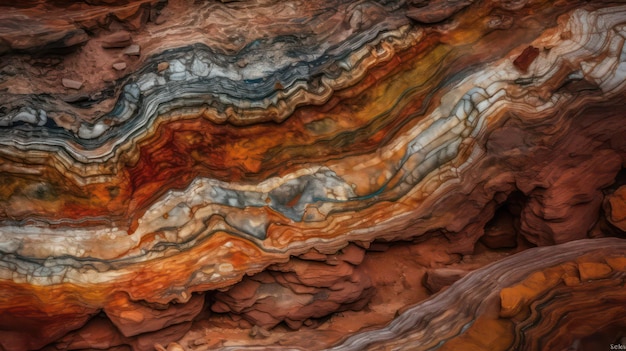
x=252, y=174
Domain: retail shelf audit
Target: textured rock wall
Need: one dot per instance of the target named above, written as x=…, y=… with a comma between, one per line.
x=170, y=169
x=517, y=303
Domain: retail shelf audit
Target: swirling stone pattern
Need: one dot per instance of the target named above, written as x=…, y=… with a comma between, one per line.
x=252, y=132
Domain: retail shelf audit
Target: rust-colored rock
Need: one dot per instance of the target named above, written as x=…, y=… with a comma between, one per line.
x=526, y=58
x=132, y=318
x=299, y=290
x=231, y=174
x=438, y=279
x=615, y=206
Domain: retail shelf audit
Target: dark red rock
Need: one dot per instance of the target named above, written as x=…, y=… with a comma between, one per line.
x=523, y=61
x=500, y=231
x=559, y=160
x=98, y=333
x=570, y=206
x=299, y=290
x=34, y=332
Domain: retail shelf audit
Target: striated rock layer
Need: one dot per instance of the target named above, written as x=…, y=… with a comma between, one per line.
x=518, y=303
x=173, y=166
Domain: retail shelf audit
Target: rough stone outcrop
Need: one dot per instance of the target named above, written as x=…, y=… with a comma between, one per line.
x=616, y=208
x=517, y=303
x=296, y=291
x=172, y=168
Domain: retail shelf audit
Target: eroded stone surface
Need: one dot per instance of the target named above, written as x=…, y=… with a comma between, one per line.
x=250, y=156
x=300, y=290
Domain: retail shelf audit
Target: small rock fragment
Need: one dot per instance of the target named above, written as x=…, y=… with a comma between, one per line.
x=500, y=22
x=75, y=38
x=162, y=66
x=615, y=208
x=259, y=332
x=313, y=255
x=119, y=66
x=155, y=16
x=593, y=270
x=352, y=254
x=159, y=20
x=173, y=346
x=198, y=342
x=133, y=50
x=523, y=61
x=71, y=84
x=116, y=40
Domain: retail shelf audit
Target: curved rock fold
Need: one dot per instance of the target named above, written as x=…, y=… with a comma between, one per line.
x=312, y=175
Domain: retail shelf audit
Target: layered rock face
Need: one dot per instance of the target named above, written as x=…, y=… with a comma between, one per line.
x=312, y=175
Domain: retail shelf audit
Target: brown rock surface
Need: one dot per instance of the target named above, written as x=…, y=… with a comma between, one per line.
x=438, y=279
x=522, y=310
x=500, y=232
x=616, y=208
x=133, y=318
x=116, y=40
x=436, y=10
x=36, y=26
x=207, y=174
x=300, y=290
